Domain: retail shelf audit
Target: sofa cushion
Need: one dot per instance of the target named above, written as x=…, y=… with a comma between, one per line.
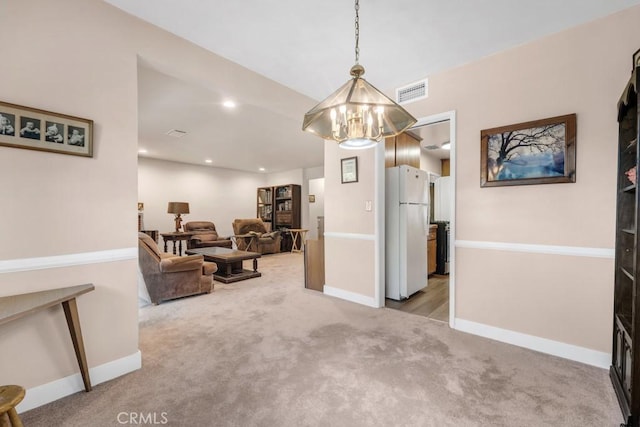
x=148, y=242
x=205, y=236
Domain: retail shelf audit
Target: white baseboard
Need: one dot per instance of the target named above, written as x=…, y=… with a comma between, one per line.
x=46, y=393
x=350, y=296
x=543, y=345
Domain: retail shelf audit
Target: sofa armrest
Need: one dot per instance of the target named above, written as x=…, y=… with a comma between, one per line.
x=209, y=268
x=182, y=263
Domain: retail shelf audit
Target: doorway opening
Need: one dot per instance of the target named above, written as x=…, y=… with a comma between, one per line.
x=437, y=147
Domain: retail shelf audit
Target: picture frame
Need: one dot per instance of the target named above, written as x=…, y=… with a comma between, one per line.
x=349, y=170
x=536, y=152
x=34, y=129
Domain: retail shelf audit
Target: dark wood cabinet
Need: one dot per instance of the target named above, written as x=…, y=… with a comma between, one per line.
x=625, y=364
x=279, y=208
x=265, y=206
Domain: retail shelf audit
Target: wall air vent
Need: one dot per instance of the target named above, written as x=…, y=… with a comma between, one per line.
x=176, y=133
x=412, y=92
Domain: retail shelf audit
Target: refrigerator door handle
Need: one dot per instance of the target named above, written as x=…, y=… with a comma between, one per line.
x=425, y=219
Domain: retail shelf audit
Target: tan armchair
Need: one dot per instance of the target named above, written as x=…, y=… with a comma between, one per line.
x=251, y=235
x=205, y=235
x=169, y=276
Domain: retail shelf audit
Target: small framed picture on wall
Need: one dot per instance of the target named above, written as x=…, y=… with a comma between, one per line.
x=349, y=168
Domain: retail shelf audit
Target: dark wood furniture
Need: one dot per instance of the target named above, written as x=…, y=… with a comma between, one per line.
x=176, y=237
x=280, y=207
x=264, y=206
x=286, y=206
x=16, y=306
x=229, y=262
x=625, y=365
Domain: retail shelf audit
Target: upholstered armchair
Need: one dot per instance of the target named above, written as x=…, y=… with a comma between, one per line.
x=251, y=235
x=205, y=235
x=169, y=276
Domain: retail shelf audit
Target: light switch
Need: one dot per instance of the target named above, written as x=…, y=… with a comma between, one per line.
x=367, y=205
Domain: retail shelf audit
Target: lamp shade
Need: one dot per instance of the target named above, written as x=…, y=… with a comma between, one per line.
x=178, y=208
x=357, y=115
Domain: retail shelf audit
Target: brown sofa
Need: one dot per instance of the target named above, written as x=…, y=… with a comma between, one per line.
x=251, y=235
x=169, y=276
x=205, y=235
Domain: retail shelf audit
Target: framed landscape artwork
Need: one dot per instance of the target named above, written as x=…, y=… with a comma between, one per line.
x=537, y=152
x=33, y=129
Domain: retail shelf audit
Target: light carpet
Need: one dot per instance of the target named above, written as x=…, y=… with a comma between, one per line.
x=267, y=352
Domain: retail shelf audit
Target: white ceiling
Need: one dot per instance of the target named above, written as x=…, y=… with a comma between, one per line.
x=308, y=46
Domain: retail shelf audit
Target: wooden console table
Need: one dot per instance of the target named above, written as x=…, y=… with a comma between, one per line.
x=16, y=306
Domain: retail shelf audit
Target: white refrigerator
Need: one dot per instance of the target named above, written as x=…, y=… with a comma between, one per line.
x=407, y=227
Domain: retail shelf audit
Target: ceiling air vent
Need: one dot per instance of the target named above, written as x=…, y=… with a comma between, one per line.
x=413, y=92
x=176, y=133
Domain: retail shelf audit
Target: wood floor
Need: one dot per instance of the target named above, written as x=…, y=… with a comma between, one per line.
x=431, y=302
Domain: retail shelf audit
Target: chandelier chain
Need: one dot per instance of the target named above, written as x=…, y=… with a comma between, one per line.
x=357, y=31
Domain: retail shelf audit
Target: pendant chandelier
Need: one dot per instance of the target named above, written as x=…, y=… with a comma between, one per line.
x=357, y=115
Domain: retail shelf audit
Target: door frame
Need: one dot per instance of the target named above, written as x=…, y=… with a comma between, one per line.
x=380, y=191
x=429, y=120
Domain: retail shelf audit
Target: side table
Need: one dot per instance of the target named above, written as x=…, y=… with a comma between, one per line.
x=176, y=237
x=248, y=240
x=295, y=234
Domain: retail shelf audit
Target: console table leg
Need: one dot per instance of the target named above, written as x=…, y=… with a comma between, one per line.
x=255, y=265
x=73, y=322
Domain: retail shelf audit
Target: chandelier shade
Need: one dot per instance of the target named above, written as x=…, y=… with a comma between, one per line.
x=357, y=115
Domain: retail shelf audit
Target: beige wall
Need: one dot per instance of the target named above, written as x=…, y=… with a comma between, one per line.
x=80, y=57
x=582, y=71
x=56, y=204
x=429, y=163
x=350, y=250
x=214, y=194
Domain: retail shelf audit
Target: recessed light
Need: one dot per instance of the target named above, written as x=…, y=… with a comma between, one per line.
x=446, y=146
x=229, y=104
x=208, y=161
x=142, y=151
x=261, y=169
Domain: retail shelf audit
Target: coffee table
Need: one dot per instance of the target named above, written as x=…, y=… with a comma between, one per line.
x=229, y=262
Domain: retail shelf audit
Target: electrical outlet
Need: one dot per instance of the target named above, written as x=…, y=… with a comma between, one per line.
x=367, y=205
